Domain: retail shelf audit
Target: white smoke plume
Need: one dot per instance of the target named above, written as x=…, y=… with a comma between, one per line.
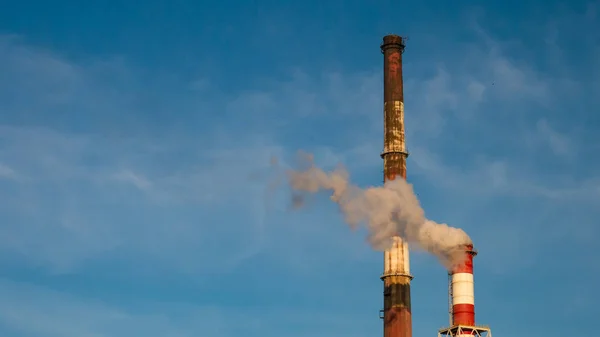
x=385, y=211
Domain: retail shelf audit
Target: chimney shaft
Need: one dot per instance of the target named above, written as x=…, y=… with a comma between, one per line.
x=394, y=148
x=463, y=293
x=396, y=276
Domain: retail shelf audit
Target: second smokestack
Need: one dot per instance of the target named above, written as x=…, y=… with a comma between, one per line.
x=463, y=291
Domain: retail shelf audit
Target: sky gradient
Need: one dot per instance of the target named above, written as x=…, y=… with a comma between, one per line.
x=135, y=143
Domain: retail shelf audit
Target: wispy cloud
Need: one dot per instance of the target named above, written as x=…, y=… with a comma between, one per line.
x=78, y=188
x=6, y=172
x=132, y=178
x=558, y=143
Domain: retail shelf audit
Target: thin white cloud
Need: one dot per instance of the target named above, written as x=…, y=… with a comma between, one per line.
x=6, y=172
x=499, y=177
x=558, y=143
x=78, y=216
x=135, y=179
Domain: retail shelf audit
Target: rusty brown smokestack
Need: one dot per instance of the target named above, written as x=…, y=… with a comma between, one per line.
x=396, y=276
x=394, y=152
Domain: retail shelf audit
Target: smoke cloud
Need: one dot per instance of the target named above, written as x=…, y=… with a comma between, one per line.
x=385, y=211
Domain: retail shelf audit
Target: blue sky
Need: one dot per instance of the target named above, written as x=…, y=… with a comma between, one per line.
x=135, y=143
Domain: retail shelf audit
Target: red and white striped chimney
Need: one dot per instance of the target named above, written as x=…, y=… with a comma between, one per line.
x=463, y=292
